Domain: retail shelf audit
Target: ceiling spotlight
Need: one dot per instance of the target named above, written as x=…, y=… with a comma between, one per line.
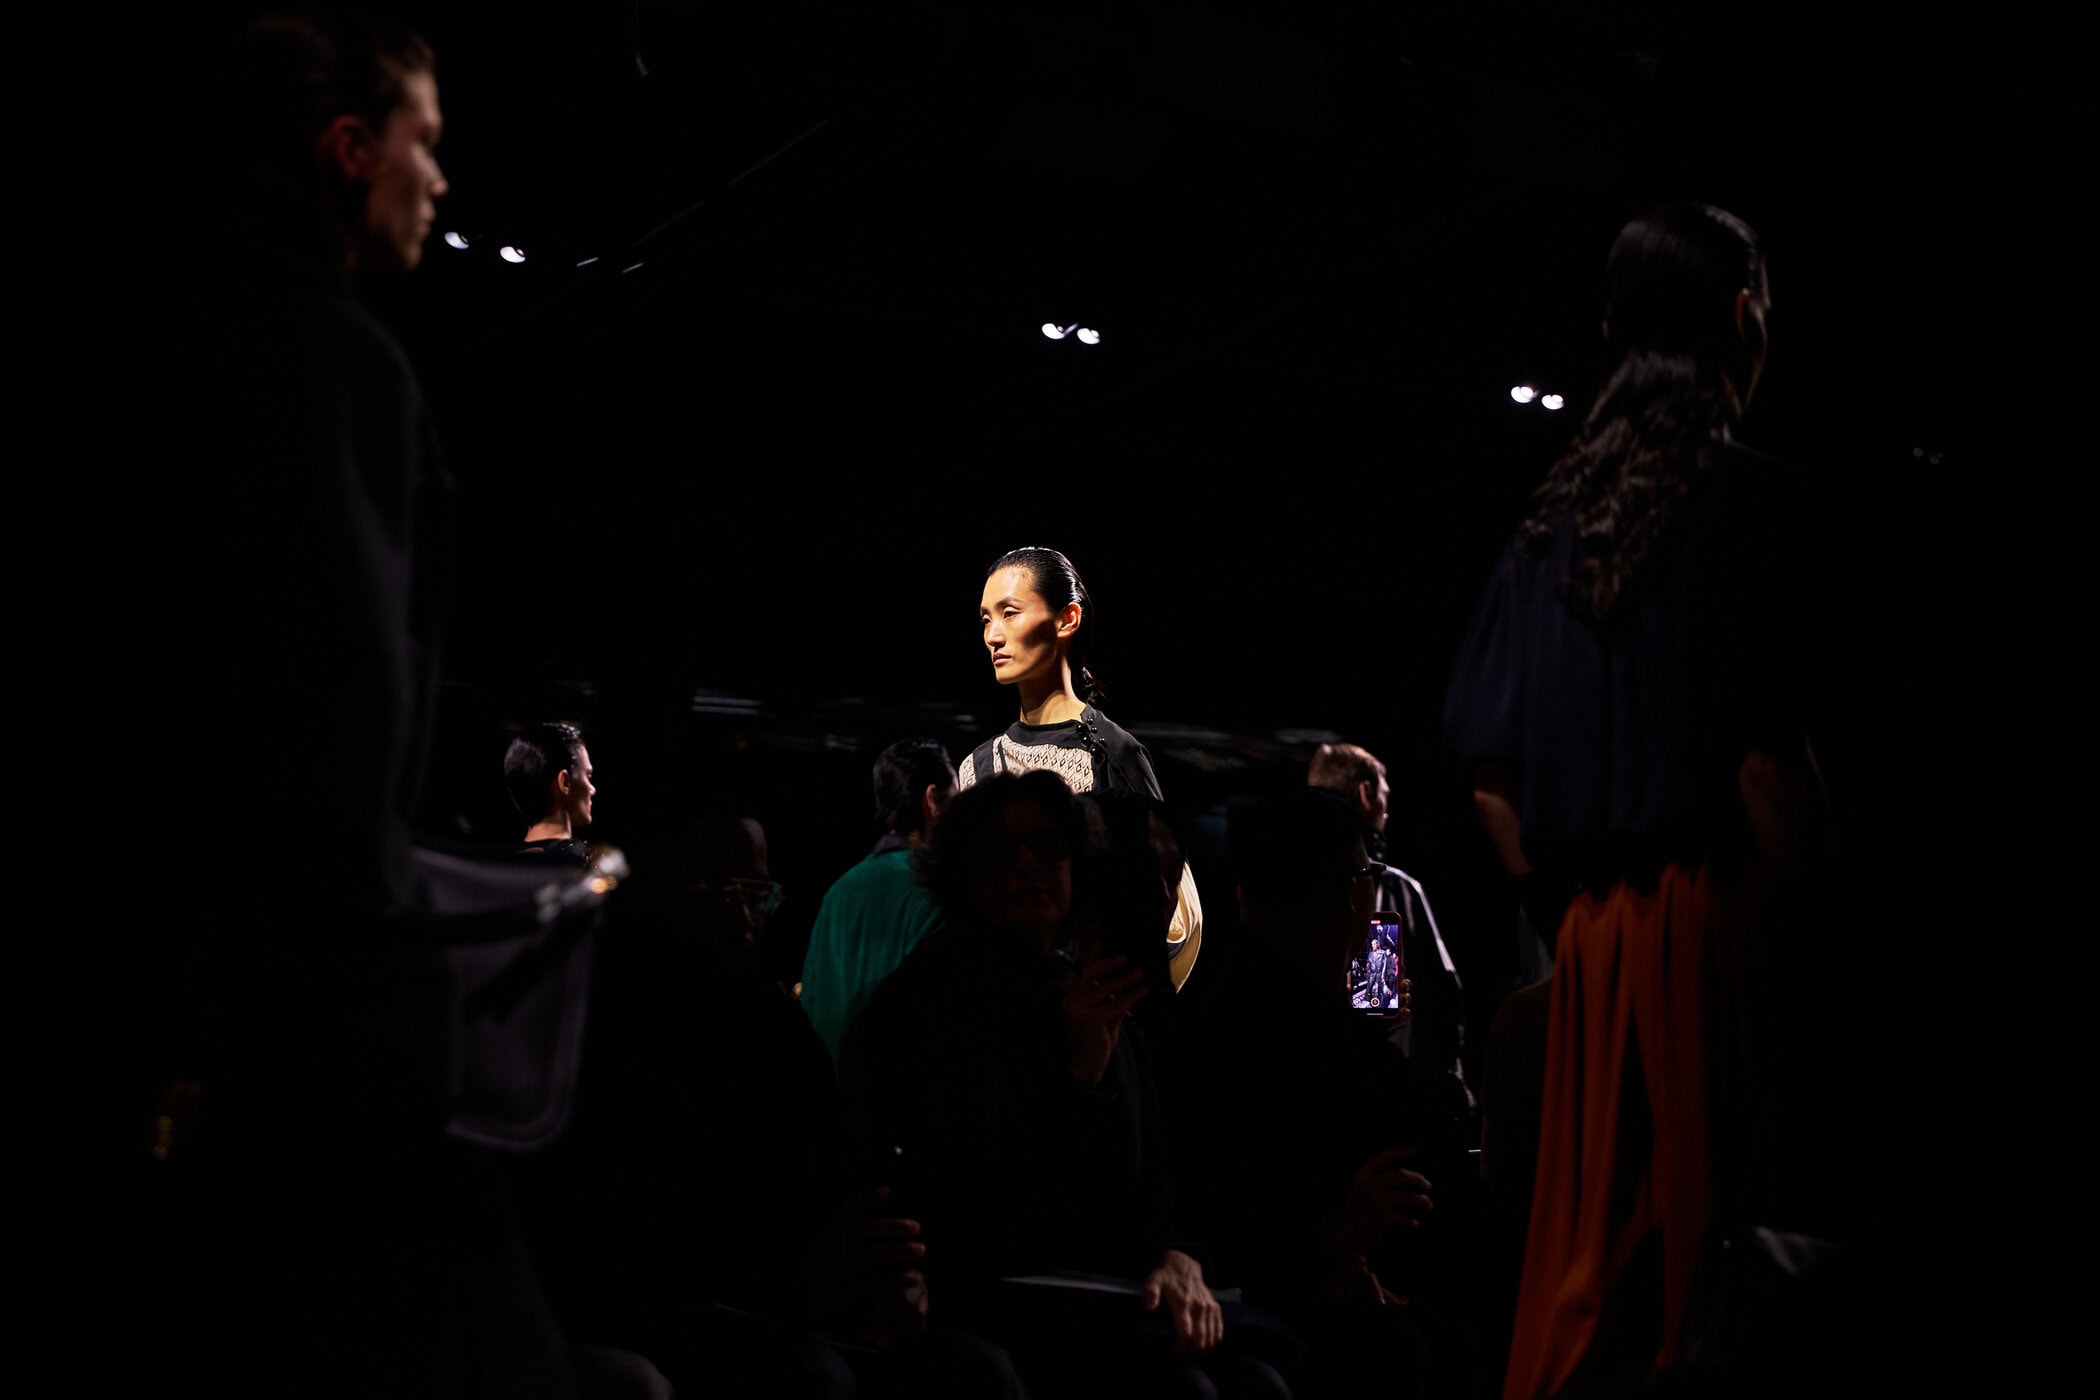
x=1523, y=393
x=456, y=240
x=1552, y=401
x=1089, y=336
x=1055, y=331
x=512, y=255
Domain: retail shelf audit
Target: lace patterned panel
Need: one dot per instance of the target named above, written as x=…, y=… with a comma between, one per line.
x=1075, y=766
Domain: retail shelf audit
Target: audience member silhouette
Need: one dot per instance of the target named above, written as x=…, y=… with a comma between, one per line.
x=1512, y=1093
x=877, y=913
x=1126, y=890
x=704, y=1212
x=1433, y=1034
x=1319, y=1143
x=1003, y=1062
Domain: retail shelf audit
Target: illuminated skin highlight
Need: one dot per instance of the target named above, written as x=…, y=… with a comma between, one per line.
x=1376, y=801
x=1030, y=645
x=399, y=171
x=570, y=795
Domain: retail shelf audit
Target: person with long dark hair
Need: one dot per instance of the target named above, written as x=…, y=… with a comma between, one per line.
x=1632, y=695
x=1037, y=621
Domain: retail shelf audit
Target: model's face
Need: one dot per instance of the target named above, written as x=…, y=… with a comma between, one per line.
x=581, y=789
x=1020, y=630
x=1024, y=878
x=402, y=181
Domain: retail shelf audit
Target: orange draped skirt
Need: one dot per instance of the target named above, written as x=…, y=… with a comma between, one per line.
x=1648, y=1107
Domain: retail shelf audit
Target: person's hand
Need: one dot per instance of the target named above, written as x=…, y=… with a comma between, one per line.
x=1384, y=1194
x=1353, y=1282
x=1404, y=1010
x=1199, y=1323
x=1094, y=1006
x=865, y=1280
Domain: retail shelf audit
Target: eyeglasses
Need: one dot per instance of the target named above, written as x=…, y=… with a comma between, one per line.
x=762, y=895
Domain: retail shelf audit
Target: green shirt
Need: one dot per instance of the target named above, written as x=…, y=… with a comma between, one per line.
x=869, y=920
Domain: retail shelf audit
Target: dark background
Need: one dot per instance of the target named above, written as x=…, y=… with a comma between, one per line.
x=734, y=445
x=726, y=494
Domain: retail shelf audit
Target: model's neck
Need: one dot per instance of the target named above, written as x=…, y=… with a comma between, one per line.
x=1055, y=708
x=552, y=829
x=1048, y=703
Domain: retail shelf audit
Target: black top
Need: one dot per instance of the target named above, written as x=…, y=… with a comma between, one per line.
x=561, y=850
x=1012, y=1167
x=311, y=513
x=1092, y=754
x=1277, y=1093
x=304, y=514
x=1626, y=734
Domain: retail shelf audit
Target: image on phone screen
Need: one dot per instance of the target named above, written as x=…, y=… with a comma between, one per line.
x=1376, y=969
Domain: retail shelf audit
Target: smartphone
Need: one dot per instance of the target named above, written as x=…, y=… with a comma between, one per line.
x=1377, y=968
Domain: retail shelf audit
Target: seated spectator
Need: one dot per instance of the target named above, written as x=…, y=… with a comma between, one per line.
x=1433, y=1034
x=702, y=1212
x=547, y=771
x=1127, y=887
x=1512, y=1097
x=1318, y=1142
x=877, y=913
x=1002, y=1061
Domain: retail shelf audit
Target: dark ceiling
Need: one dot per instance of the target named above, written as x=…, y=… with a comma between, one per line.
x=770, y=391
x=1368, y=210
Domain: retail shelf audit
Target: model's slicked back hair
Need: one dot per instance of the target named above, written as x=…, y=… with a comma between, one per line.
x=1060, y=585
x=532, y=760
x=903, y=771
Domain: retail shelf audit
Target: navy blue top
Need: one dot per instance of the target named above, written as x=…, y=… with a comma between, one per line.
x=1625, y=736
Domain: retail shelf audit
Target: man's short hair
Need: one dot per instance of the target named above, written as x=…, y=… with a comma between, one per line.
x=1295, y=850
x=903, y=771
x=532, y=760
x=1342, y=766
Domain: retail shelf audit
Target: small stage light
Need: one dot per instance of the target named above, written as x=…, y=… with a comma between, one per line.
x=456, y=240
x=1089, y=336
x=513, y=255
x=1523, y=393
x=1552, y=401
x=1055, y=331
